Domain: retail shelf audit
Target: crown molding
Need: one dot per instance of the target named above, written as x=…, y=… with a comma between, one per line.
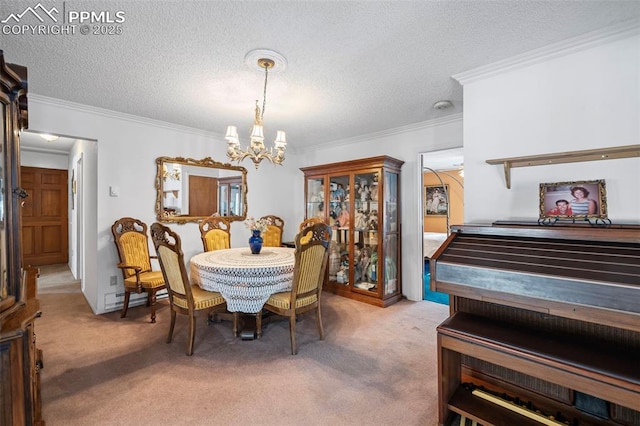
x=572, y=45
x=449, y=119
x=120, y=116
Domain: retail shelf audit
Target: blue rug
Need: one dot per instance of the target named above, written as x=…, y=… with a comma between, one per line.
x=433, y=296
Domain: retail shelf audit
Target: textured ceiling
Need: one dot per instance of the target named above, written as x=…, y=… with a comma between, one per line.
x=354, y=67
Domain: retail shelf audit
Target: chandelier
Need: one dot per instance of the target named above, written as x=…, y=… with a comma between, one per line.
x=256, y=151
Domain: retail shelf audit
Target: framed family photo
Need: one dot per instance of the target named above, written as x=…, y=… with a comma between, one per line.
x=435, y=200
x=579, y=199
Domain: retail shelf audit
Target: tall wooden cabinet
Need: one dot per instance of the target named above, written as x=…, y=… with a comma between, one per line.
x=20, y=360
x=360, y=200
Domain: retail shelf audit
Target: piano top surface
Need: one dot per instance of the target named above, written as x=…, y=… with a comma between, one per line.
x=597, y=268
x=608, y=255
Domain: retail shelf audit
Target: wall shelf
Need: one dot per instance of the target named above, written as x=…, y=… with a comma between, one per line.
x=610, y=153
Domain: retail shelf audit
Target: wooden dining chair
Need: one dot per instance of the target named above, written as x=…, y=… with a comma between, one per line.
x=311, y=253
x=273, y=236
x=184, y=298
x=130, y=236
x=308, y=222
x=215, y=232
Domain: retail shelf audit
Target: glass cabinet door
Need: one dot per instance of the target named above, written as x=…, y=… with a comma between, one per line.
x=340, y=222
x=315, y=198
x=391, y=233
x=366, y=241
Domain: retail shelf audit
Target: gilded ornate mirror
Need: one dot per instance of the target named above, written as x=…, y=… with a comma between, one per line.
x=190, y=190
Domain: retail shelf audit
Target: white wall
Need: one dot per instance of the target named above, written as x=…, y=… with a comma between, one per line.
x=84, y=216
x=45, y=160
x=583, y=100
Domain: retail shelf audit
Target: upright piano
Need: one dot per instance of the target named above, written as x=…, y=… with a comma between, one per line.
x=544, y=325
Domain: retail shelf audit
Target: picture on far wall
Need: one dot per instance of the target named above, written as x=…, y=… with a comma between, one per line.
x=579, y=199
x=435, y=200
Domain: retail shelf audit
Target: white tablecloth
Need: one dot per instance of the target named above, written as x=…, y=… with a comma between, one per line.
x=245, y=280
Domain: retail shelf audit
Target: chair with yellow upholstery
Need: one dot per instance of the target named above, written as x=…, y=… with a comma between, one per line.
x=130, y=236
x=312, y=252
x=273, y=236
x=308, y=222
x=185, y=298
x=215, y=232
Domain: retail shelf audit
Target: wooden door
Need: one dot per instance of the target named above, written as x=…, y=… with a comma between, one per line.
x=203, y=196
x=45, y=239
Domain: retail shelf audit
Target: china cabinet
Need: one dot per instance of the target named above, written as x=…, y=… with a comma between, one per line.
x=20, y=360
x=360, y=200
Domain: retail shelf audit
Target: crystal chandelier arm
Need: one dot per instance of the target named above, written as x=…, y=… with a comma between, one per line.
x=236, y=154
x=257, y=152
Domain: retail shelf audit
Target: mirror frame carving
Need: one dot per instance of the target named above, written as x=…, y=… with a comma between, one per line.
x=205, y=162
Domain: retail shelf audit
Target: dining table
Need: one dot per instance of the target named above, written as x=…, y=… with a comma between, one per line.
x=245, y=280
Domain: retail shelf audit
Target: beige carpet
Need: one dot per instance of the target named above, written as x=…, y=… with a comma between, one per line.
x=376, y=367
x=57, y=279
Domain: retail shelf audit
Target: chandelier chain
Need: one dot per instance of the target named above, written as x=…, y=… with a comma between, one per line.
x=264, y=93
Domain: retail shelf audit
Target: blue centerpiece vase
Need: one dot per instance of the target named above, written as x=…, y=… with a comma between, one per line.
x=255, y=242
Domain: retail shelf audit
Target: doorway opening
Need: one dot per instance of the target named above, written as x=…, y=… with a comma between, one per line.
x=65, y=153
x=442, y=195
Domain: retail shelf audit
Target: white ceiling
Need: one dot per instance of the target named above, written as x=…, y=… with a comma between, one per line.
x=447, y=159
x=353, y=67
x=32, y=141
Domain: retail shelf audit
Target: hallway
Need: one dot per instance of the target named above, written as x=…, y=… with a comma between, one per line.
x=57, y=279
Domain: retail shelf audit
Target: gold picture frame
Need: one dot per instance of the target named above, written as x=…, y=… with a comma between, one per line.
x=585, y=199
x=174, y=183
